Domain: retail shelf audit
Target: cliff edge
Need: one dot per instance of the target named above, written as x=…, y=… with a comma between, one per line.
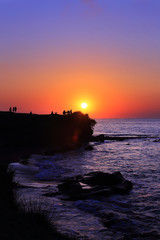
x=59, y=132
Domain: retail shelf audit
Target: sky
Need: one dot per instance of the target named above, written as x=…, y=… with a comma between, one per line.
x=54, y=55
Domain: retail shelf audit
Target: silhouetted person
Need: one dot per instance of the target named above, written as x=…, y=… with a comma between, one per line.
x=71, y=111
x=10, y=109
x=64, y=112
x=52, y=113
x=30, y=113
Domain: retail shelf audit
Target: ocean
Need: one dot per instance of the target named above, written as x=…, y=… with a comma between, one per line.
x=130, y=216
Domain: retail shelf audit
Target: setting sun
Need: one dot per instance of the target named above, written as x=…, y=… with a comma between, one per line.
x=84, y=105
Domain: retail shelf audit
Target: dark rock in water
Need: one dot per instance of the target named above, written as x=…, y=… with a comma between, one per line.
x=95, y=185
x=89, y=148
x=123, y=187
x=157, y=140
x=99, y=138
x=102, y=138
x=70, y=186
x=102, y=179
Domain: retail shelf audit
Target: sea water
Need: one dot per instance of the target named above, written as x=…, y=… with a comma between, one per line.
x=131, y=216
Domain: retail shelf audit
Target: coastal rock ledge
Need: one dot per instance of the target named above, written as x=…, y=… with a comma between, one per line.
x=94, y=185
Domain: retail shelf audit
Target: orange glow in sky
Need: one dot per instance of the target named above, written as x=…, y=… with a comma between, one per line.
x=56, y=57
x=107, y=92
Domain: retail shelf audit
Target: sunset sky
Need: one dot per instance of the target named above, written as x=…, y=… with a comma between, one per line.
x=56, y=54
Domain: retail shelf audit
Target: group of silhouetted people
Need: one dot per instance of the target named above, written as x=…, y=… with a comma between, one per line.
x=53, y=113
x=67, y=112
x=14, y=109
x=64, y=112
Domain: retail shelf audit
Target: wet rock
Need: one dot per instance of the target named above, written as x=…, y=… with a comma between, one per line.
x=70, y=186
x=102, y=138
x=99, y=138
x=94, y=185
x=89, y=148
x=124, y=187
x=102, y=179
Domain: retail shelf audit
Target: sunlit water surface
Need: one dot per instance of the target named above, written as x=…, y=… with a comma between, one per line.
x=132, y=216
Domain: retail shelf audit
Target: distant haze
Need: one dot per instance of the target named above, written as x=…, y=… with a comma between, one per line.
x=54, y=55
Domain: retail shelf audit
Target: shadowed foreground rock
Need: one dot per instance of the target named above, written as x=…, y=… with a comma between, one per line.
x=18, y=224
x=94, y=185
